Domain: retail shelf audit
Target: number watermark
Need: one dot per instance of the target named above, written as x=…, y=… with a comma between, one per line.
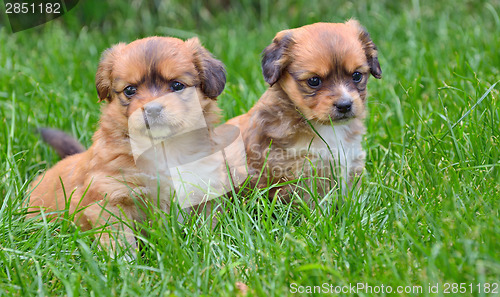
x=453, y=289
x=26, y=14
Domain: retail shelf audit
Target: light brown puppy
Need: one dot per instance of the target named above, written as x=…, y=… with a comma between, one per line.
x=310, y=120
x=147, y=84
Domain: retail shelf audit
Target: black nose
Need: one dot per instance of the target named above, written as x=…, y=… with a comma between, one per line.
x=153, y=109
x=343, y=106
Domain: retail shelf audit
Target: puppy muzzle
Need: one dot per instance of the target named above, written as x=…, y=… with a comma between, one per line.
x=343, y=106
x=153, y=110
x=343, y=109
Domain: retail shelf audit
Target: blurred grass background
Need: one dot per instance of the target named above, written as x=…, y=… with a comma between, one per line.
x=430, y=199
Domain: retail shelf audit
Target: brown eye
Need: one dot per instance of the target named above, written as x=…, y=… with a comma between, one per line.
x=130, y=91
x=357, y=77
x=314, y=82
x=177, y=86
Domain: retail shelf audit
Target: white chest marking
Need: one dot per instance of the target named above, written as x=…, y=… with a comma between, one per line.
x=333, y=144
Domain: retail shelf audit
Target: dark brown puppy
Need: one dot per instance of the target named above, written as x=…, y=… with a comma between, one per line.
x=104, y=183
x=310, y=120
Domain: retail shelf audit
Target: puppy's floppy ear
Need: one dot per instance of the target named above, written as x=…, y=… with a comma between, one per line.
x=369, y=47
x=212, y=71
x=275, y=56
x=103, y=75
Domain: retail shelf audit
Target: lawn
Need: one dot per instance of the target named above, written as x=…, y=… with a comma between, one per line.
x=427, y=215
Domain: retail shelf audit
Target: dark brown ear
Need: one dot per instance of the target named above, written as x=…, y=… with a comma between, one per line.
x=274, y=56
x=103, y=75
x=369, y=47
x=212, y=71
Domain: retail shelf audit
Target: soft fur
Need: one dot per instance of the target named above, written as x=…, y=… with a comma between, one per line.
x=296, y=130
x=104, y=183
x=64, y=144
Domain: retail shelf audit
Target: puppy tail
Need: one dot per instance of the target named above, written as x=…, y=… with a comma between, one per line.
x=64, y=144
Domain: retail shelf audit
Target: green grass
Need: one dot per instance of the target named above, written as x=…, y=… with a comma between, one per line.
x=429, y=205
